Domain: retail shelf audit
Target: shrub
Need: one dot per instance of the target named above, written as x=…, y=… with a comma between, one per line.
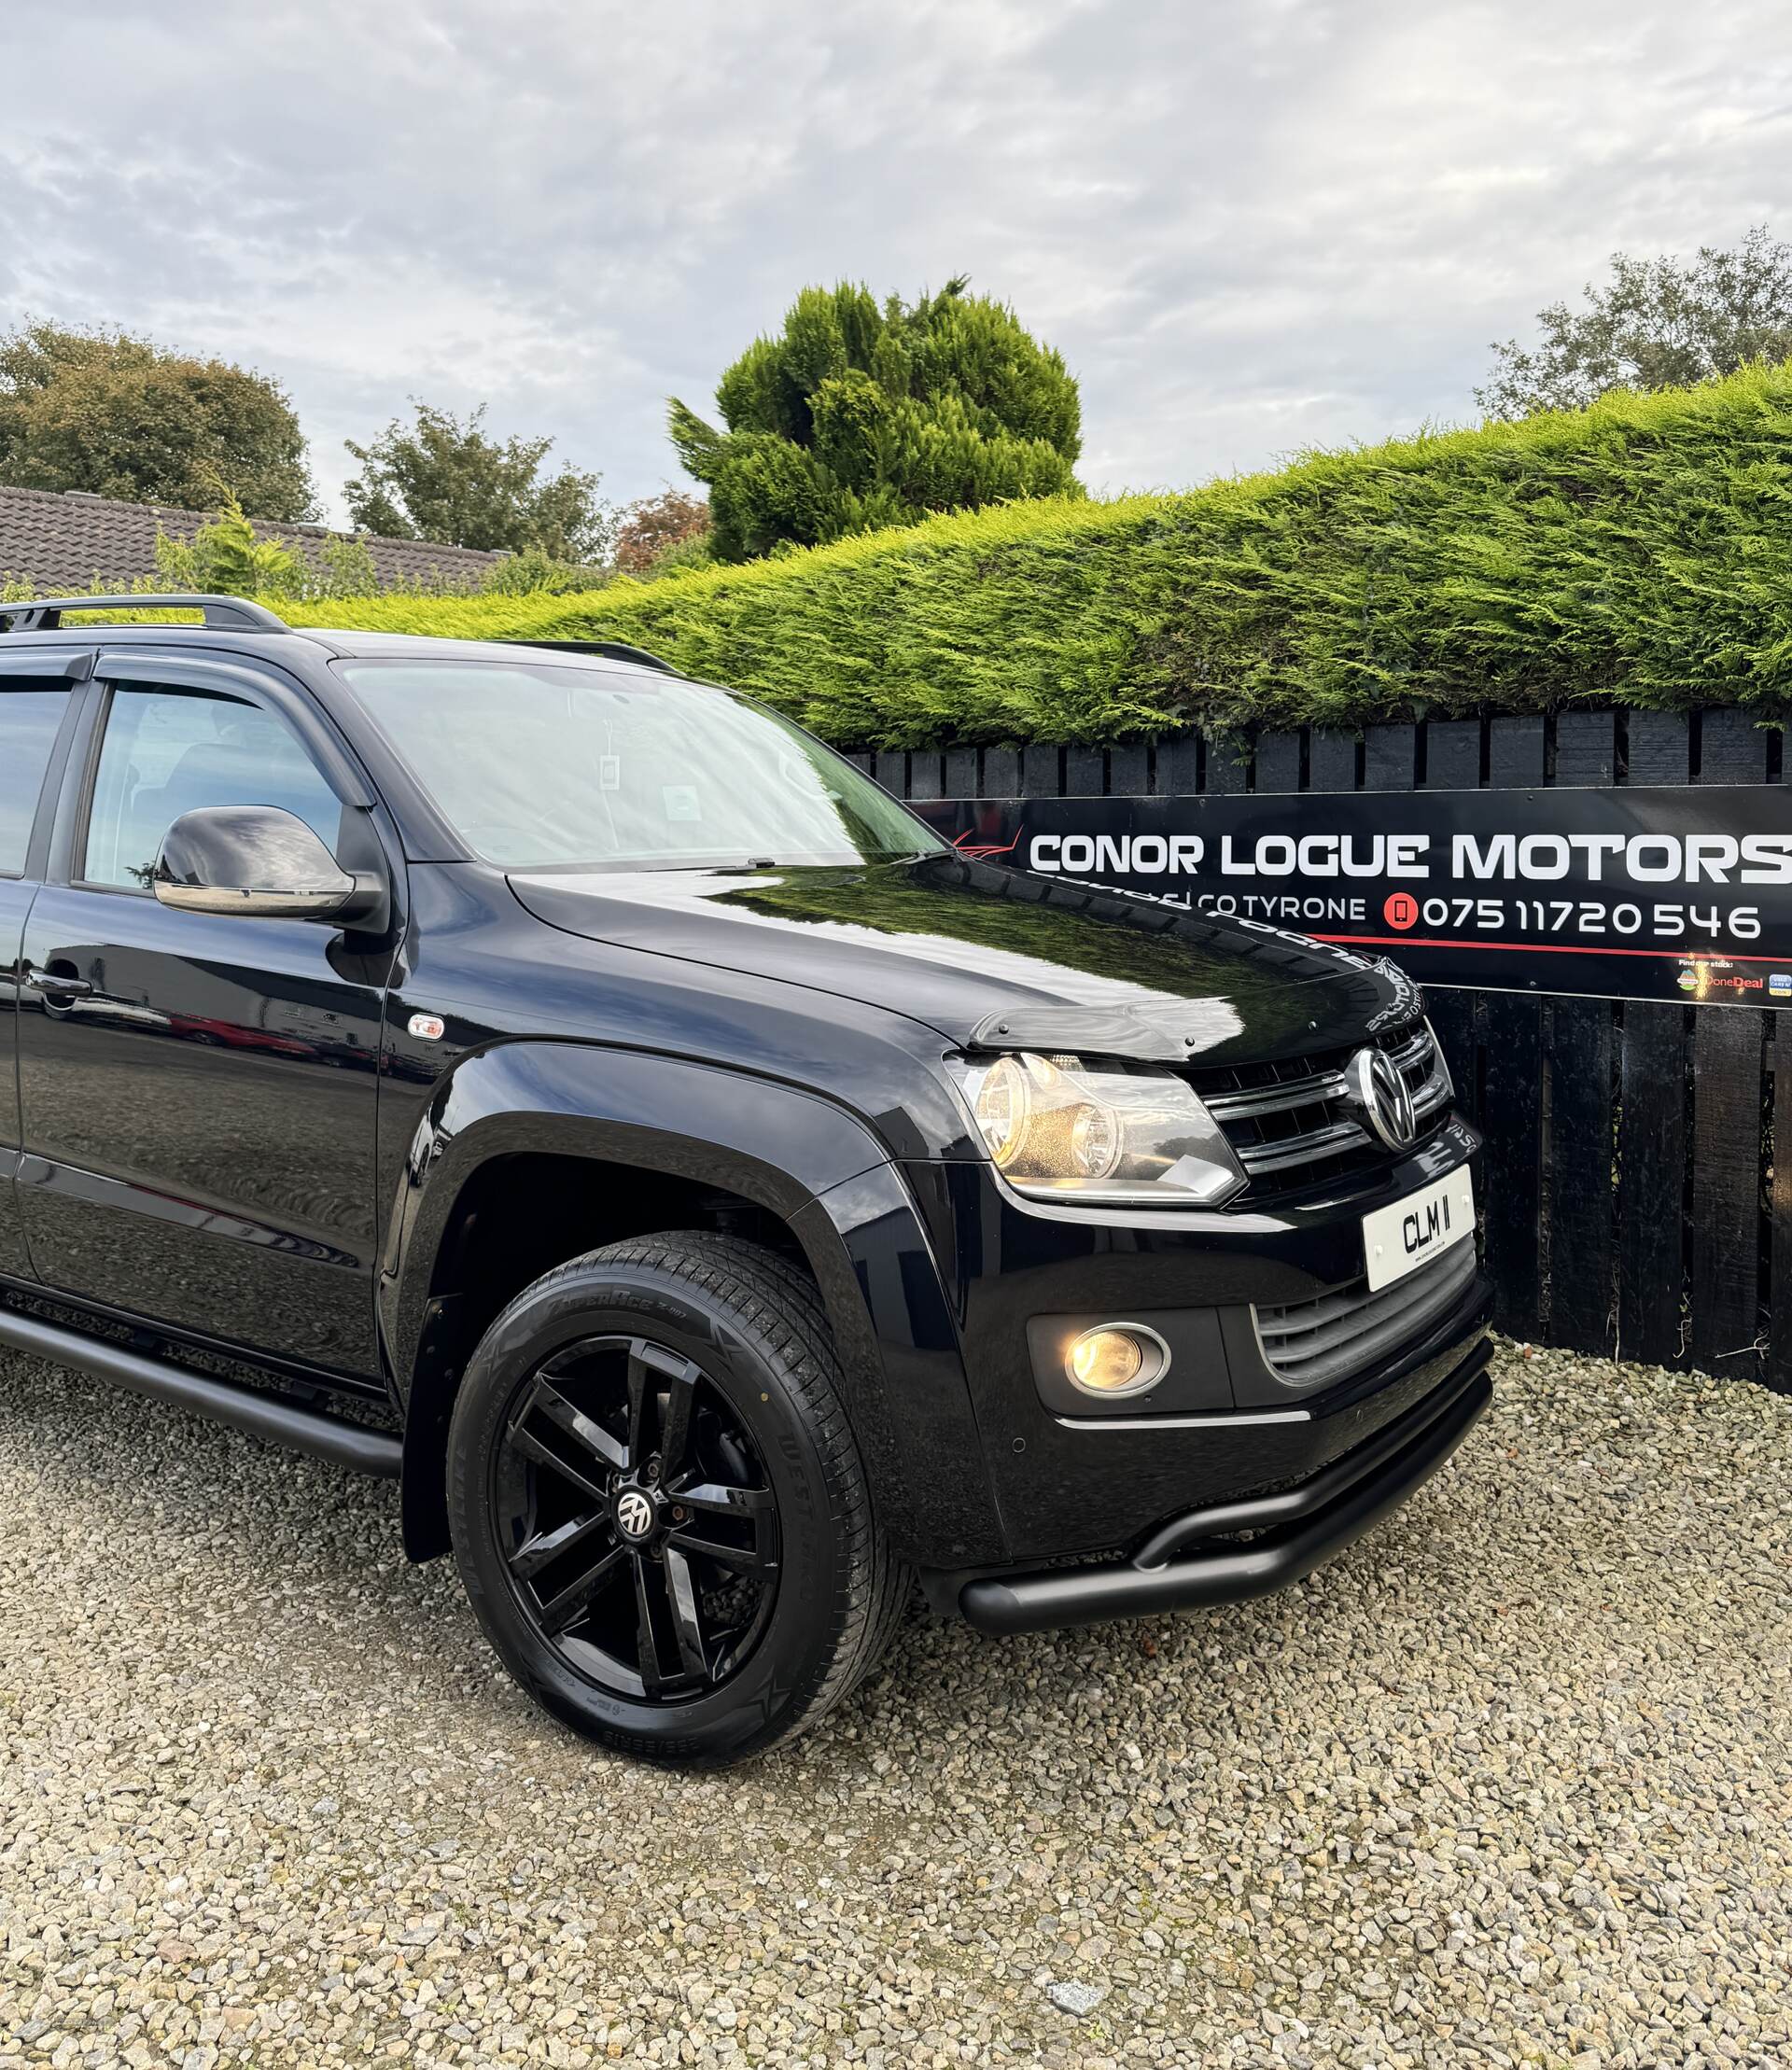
x=224, y=554
x=1635, y=553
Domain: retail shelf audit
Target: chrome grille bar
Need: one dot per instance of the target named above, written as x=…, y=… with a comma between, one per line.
x=1339, y=1132
x=1330, y=1141
x=1277, y=1099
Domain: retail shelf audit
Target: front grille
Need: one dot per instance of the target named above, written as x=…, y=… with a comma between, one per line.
x=1292, y=1122
x=1309, y=1344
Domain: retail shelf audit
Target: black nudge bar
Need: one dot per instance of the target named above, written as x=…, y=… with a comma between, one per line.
x=1301, y=1527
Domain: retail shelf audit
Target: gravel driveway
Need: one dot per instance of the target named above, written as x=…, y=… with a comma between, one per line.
x=1511, y=1784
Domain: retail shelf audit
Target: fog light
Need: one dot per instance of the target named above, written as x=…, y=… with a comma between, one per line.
x=1122, y=1358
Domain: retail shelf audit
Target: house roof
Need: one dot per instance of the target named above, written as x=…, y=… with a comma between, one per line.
x=64, y=541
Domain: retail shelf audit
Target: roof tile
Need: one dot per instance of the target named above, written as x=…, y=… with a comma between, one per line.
x=65, y=541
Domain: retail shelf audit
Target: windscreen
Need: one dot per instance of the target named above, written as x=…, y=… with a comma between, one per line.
x=549, y=766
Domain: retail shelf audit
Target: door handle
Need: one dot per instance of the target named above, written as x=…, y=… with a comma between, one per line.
x=57, y=991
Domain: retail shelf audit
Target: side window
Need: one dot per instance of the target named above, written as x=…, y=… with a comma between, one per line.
x=169, y=751
x=29, y=718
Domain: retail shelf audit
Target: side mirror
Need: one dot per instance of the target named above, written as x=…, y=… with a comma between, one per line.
x=259, y=861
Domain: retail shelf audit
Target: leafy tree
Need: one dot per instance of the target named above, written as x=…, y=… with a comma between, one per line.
x=1658, y=325
x=654, y=526
x=858, y=416
x=119, y=416
x=448, y=481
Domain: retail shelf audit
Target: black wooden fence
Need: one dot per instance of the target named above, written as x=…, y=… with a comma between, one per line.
x=1633, y=1206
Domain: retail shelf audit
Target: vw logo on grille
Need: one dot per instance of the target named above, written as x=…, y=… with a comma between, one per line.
x=635, y=1514
x=1378, y=1089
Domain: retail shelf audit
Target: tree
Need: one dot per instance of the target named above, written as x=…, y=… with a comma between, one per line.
x=119, y=416
x=654, y=526
x=449, y=483
x=225, y=557
x=858, y=416
x=1658, y=325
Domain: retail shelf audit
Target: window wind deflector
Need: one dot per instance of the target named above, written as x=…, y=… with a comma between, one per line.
x=49, y=664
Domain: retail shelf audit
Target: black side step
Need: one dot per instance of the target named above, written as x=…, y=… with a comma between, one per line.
x=283, y=1422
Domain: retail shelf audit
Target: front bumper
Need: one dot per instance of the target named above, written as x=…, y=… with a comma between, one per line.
x=1076, y=1480
x=1300, y=1528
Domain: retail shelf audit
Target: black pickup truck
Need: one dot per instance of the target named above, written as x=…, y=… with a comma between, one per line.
x=571, y=1088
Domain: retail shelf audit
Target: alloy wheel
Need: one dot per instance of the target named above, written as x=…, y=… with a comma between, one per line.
x=635, y=1519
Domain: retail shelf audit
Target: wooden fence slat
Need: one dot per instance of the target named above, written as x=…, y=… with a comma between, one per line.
x=1179, y=767
x=961, y=779
x=1732, y=749
x=1582, y=1154
x=1586, y=747
x=1652, y=1166
x=1129, y=772
x=1389, y=757
x=1331, y=759
x=1278, y=761
x=1512, y=1121
x=1228, y=769
x=1660, y=750
x=1779, y=1356
x=1086, y=772
x=1040, y=775
x=1515, y=752
x=924, y=775
x=1000, y=772
x=1725, y=1185
x=892, y=771
x=1453, y=754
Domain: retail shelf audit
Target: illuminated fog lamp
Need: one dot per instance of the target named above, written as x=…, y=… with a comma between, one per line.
x=1119, y=1357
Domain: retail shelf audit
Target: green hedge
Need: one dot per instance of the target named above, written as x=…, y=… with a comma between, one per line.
x=1637, y=552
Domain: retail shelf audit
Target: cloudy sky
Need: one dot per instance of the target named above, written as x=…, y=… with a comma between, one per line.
x=1250, y=228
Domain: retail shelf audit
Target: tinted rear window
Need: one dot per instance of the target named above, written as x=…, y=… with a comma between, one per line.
x=28, y=721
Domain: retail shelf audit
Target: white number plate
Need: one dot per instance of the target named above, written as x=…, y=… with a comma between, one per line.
x=1399, y=1240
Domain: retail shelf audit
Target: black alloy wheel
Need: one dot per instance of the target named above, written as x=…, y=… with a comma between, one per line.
x=658, y=1506
x=638, y=1522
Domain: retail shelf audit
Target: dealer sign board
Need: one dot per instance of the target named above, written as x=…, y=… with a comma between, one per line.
x=1683, y=893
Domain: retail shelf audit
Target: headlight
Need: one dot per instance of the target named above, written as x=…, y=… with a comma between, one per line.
x=1055, y=1127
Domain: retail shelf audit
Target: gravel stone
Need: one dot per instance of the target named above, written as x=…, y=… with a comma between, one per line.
x=1508, y=1784
x=1074, y=1997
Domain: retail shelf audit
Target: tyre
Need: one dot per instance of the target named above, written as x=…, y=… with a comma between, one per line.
x=659, y=1511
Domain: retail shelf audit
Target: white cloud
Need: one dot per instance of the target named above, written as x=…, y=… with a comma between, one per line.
x=1249, y=230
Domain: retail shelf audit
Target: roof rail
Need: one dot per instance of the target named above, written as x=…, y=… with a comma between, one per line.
x=611, y=650
x=236, y=614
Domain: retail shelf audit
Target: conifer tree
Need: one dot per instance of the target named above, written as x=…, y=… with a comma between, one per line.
x=857, y=416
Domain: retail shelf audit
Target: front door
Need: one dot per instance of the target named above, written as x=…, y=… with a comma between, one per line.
x=196, y=1090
